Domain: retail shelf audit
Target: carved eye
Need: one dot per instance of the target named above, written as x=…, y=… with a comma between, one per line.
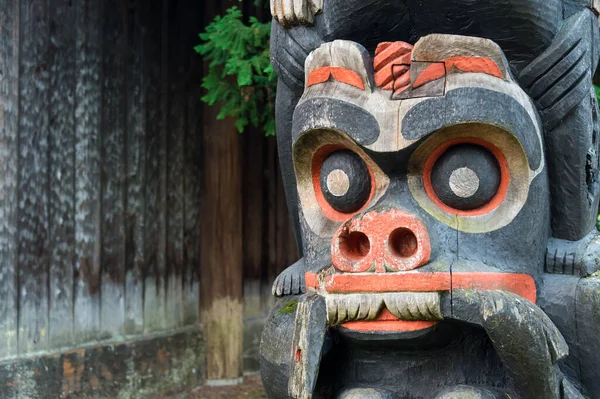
x=466, y=178
x=345, y=181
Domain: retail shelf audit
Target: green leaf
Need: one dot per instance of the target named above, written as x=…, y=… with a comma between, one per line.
x=240, y=80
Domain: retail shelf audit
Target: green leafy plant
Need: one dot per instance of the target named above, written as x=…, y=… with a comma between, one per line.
x=240, y=78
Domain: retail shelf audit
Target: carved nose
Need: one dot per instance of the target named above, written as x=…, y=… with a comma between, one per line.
x=380, y=241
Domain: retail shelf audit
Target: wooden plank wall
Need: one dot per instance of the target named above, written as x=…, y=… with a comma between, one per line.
x=101, y=174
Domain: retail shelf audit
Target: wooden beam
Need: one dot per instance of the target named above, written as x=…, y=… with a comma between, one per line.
x=221, y=248
x=221, y=242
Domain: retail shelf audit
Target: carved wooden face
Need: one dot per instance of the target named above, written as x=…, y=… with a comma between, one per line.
x=417, y=166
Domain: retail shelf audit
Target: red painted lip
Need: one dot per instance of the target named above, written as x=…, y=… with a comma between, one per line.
x=521, y=284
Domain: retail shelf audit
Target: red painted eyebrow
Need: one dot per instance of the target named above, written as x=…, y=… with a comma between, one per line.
x=464, y=64
x=343, y=75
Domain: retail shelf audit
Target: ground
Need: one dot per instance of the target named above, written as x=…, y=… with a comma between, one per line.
x=250, y=389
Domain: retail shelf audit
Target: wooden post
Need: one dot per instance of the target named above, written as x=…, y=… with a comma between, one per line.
x=221, y=249
x=221, y=243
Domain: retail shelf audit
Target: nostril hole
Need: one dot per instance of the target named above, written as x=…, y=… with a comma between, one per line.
x=403, y=242
x=354, y=245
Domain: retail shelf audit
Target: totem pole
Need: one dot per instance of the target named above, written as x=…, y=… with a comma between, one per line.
x=441, y=166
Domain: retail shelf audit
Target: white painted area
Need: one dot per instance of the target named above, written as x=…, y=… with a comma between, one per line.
x=464, y=182
x=338, y=182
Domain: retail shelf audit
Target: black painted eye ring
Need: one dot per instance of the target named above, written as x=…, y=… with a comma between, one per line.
x=466, y=176
x=345, y=181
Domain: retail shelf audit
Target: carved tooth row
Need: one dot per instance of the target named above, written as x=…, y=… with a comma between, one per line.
x=342, y=308
x=414, y=305
x=349, y=307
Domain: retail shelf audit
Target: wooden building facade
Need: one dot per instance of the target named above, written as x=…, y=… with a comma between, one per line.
x=134, y=227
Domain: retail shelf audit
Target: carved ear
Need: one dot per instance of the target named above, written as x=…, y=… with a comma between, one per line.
x=339, y=61
x=559, y=81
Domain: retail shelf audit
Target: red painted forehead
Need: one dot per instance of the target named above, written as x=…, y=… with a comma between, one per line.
x=392, y=65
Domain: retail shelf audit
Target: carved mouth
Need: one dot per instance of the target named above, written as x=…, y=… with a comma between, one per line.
x=403, y=301
x=410, y=306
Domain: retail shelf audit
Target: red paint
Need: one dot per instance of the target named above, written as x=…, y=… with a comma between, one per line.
x=504, y=176
x=399, y=252
x=343, y=75
x=464, y=64
x=298, y=354
x=319, y=75
x=388, y=55
x=317, y=161
x=386, y=321
x=355, y=246
x=401, y=78
x=388, y=325
x=431, y=73
x=310, y=280
x=520, y=284
x=388, y=282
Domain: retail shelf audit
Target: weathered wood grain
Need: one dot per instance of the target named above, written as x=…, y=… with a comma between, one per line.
x=192, y=168
x=152, y=50
x=101, y=183
x=221, y=249
x=253, y=143
x=136, y=173
x=175, y=174
x=88, y=75
x=9, y=150
x=61, y=174
x=155, y=293
x=32, y=186
x=113, y=177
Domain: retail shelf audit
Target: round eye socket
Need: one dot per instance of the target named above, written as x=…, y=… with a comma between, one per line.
x=345, y=181
x=466, y=177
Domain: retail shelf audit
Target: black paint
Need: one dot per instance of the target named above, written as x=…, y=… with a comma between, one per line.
x=358, y=176
x=478, y=159
x=472, y=105
x=328, y=113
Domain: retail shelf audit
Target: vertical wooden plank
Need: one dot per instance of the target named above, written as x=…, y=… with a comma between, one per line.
x=33, y=177
x=175, y=151
x=87, y=166
x=153, y=305
x=163, y=226
x=135, y=136
x=221, y=249
x=112, y=307
x=61, y=172
x=192, y=168
x=155, y=302
x=253, y=198
x=9, y=156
